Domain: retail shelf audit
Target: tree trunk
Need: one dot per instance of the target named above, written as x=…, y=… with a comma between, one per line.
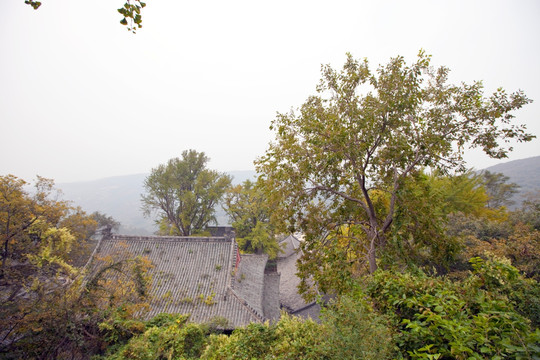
x=372, y=260
x=371, y=255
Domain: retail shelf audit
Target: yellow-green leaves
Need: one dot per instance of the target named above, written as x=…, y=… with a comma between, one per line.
x=132, y=14
x=55, y=246
x=32, y=3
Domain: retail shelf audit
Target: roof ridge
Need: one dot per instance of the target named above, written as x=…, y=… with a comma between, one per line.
x=292, y=312
x=91, y=258
x=171, y=238
x=232, y=264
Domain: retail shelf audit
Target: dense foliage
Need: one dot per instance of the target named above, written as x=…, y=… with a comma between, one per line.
x=437, y=318
x=250, y=215
x=50, y=307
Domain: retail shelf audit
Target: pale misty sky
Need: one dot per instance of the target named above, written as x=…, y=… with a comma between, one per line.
x=81, y=98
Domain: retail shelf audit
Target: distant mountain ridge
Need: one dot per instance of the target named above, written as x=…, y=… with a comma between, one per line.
x=120, y=197
x=523, y=172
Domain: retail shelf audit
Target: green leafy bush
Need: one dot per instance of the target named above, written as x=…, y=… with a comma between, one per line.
x=440, y=319
x=496, y=275
x=250, y=342
x=118, y=328
x=352, y=330
x=172, y=338
x=164, y=319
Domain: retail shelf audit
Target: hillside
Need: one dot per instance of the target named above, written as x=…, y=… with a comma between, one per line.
x=120, y=196
x=524, y=172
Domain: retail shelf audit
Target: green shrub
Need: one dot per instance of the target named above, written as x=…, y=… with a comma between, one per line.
x=440, y=319
x=163, y=319
x=296, y=338
x=496, y=275
x=172, y=338
x=352, y=330
x=251, y=342
x=117, y=329
x=290, y=338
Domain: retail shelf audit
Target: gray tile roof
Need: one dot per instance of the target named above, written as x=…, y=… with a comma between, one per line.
x=290, y=298
x=207, y=278
x=288, y=286
x=194, y=275
x=289, y=245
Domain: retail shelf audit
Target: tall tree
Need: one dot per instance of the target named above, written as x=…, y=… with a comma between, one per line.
x=365, y=133
x=249, y=212
x=184, y=193
x=499, y=190
x=105, y=224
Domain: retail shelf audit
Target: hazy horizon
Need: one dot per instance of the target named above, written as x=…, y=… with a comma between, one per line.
x=143, y=174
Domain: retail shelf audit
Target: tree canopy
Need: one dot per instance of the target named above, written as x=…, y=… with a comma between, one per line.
x=184, y=193
x=344, y=156
x=249, y=212
x=50, y=307
x=37, y=225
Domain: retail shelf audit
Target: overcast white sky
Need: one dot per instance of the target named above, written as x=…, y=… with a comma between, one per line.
x=81, y=98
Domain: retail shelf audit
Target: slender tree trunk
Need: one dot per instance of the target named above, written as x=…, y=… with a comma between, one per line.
x=6, y=242
x=372, y=260
x=371, y=255
x=5, y=253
